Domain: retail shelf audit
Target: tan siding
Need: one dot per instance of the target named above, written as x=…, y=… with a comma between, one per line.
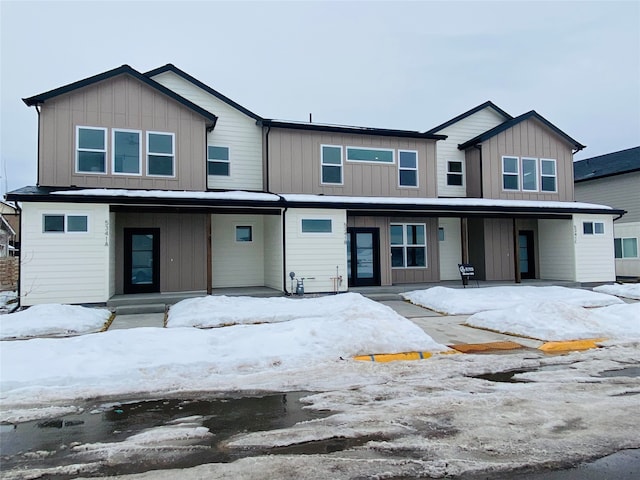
x=620, y=191
x=121, y=102
x=473, y=174
x=498, y=241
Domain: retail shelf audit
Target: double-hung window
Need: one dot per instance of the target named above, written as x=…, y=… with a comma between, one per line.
x=529, y=174
x=454, y=173
x=408, y=168
x=126, y=152
x=510, y=173
x=91, y=150
x=593, y=228
x=547, y=175
x=160, y=154
x=218, y=162
x=408, y=245
x=60, y=223
x=331, y=164
x=626, y=247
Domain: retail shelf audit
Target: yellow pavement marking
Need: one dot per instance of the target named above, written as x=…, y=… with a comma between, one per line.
x=108, y=323
x=485, y=347
x=569, y=345
x=393, y=357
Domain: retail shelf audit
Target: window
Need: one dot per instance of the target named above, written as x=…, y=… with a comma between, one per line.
x=593, y=228
x=91, y=150
x=454, y=173
x=160, y=154
x=316, y=225
x=441, y=234
x=626, y=247
x=218, y=161
x=408, y=168
x=510, y=173
x=126, y=152
x=244, y=233
x=381, y=155
x=408, y=245
x=331, y=164
x=59, y=223
x=547, y=175
x=530, y=174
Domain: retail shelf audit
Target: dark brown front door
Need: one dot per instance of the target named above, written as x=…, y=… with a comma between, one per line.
x=141, y=260
x=363, y=256
x=526, y=254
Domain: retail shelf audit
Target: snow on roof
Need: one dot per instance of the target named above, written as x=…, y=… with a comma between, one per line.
x=230, y=195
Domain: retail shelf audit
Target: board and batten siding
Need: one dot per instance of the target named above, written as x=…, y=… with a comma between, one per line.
x=627, y=267
x=122, y=102
x=237, y=264
x=594, y=254
x=461, y=131
x=498, y=241
x=233, y=129
x=619, y=191
x=294, y=158
x=64, y=267
x=382, y=224
x=273, y=274
x=450, y=249
x=557, y=257
x=315, y=256
x=526, y=139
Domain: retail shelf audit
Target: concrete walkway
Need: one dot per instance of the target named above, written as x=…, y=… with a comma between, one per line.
x=137, y=320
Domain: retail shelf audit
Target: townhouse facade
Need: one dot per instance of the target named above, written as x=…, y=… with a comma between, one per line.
x=155, y=182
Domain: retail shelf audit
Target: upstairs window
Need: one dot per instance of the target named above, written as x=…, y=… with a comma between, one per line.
x=160, y=154
x=408, y=245
x=126, y=152
x=529, y=174
x=510, y=173
x=454, y=173
x=593, y=228
x=91, y=150
x=60, y=223
x=548, y=175
x=408, y=168
x=626, y=247
x=218, y=161
x=380, y=155
x=331, y=164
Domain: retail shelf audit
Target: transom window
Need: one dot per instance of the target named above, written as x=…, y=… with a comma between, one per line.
x=218, y=161
x=408, y=168
x=126, y=152
x=626, y=247
x=60, y=223
x=593, y=228
x=380, y=155
x=91, y=150
x=530, y=174
x=408, y=245
x=244, y=233
x=454, y=173
x=510, y=173
x=316, y=225
x=548, y=175
x=331, y=164
x=160, y=154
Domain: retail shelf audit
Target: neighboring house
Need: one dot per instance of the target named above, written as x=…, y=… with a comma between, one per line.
x=9, y=228
x=155, y=182
x=614, y=179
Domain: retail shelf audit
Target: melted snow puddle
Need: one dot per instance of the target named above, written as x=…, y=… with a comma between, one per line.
x=140, y=436
x=509, y=376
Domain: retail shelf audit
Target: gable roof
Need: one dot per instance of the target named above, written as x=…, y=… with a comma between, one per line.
x=515, y=121
x=7, y=228
x=616, y=163
x=122, y=70
x=169, y=67
x=468, y=113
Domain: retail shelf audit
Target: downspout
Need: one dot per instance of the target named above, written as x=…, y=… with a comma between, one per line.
x=37, y=107
x=20, y=256
x=284, y=249
x=266, y=159
x=479, y=147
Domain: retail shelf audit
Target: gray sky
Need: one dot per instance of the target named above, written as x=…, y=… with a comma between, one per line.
x=408, y=65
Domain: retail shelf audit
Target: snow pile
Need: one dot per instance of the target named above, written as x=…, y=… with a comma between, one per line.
x=562, y=321
x=626, y=290
x=52, y=320
x=7, y=301
x=467, y=301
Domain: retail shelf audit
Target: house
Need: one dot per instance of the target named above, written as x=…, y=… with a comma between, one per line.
x=614, y=179
x=156, y=182
x=9, y=230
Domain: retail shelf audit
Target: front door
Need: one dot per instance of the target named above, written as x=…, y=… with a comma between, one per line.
x=363, y=256
x=141, y=260
x=526, y=252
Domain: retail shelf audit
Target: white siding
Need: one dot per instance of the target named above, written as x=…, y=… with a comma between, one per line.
x=556, y=250
x=458, y=133
x=273, y=274
x=627, y=267
x=112, y=254
x=316, y=255
x=450, y=249
x=237, y=264
x=594, y=253
x=65, y=267
x=234, y=129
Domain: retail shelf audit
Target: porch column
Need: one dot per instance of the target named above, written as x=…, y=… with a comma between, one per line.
x=464, y=237
x=209, y=256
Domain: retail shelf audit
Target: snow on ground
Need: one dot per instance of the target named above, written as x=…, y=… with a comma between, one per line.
x=7, y=299
x=626, y=290
x=52, y=320
x=467, y=301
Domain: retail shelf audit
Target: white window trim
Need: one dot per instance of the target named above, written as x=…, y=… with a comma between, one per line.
x=316, y=234
x=593, y=228
x=622, y=239
x=536, y=174
x=172, y=155
x=113, y=152
x=460, y=174
x=405, y=245
x=105, y=151
x=65, y=224
x=228, y=161
x=393, y=155
x=322, y=164
x=517, y=174
x=417, y=185
x=555, y=175
x=235, y=228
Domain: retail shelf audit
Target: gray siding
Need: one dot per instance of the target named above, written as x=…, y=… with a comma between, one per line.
x=121, y=102
x=498, y=241
x=183, y=248
x=295, y=165
x=620, y=191
x=473, y=174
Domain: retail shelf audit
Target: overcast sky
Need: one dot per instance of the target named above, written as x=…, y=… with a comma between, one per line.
x=407, y=65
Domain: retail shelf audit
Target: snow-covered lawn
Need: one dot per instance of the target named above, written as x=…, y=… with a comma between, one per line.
x=6, y=300
x=626, y=290
x=52, y=320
